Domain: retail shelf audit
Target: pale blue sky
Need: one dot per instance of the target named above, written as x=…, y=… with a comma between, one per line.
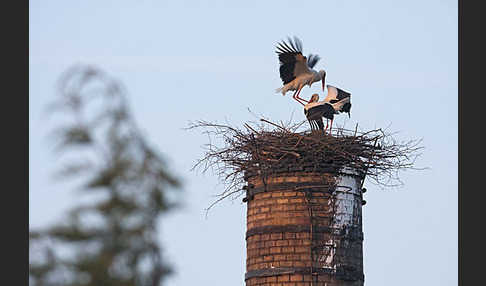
x=189, y=60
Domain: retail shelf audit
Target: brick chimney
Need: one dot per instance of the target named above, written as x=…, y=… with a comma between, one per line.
x=304, y=227
x=304, y=196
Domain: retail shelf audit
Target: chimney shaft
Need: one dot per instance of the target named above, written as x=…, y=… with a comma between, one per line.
x=304, y=228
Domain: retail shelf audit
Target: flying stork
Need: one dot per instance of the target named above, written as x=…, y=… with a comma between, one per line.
x=336, y=101
x=296, y=70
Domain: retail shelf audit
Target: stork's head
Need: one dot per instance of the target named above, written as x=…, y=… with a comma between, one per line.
x=314, y=98
x=322, y=74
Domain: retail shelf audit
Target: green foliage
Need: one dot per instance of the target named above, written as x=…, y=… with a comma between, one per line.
x=112, y=241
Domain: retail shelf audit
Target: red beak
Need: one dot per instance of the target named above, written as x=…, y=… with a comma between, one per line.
x=323, y=82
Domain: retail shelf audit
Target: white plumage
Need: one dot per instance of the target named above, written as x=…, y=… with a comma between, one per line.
x=296, y=70
x=336, y=101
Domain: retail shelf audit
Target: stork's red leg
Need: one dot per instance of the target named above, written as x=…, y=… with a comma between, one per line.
x=306, y=101
x=327, y=123
x=330, y=129
x=296, y=96
x=300, y=98
x=299, y=101
x=293, y=96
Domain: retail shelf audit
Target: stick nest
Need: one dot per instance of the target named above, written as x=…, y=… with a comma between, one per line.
x=235, y=154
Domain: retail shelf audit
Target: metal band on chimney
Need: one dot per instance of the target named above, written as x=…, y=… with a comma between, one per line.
x=348, y=275
x=352, y=234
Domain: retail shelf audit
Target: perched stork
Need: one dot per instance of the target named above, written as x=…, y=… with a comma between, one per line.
x=336, y=101
x=296, y=70
x=314, y=112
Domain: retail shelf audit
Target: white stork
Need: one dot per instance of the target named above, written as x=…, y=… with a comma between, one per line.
x=336, y=101
x=296, y=70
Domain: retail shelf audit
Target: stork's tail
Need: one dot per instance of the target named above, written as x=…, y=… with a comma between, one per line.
x=347, y=108
x=280, y=90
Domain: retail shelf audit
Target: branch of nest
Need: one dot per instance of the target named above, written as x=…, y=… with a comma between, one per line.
x=234, y=152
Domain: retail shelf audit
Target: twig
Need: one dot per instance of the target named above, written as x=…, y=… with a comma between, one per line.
x=269, y=122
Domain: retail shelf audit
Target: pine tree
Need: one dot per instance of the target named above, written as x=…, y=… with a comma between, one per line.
x=113, y=239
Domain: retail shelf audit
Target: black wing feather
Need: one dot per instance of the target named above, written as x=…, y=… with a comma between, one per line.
x=320, y=123
x=337, y=96
x=316, y=124
x=298, y=44
x=312, y=60
x=289, y=48
x=347, y=108
x=319, y=111
x=342, y=94
x=315, y=112
x=287, y=54
x=283, y=49
x=292, y=44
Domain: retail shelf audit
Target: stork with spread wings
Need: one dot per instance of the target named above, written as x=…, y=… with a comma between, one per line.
x=296, y=70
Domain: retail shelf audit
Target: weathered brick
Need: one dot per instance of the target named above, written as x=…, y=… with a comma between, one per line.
x=271, y=279
x=289, y=235
x=290, y=194
x=290, y=207
x=299, y=264
x=288, y=249
x=281, y=243
x=277, y=194
x=283, y=278
x=266, y=195
x=276, y=236
x=270, y=243
x=275, y=249
x=268, y=258
x=296, y=277
x=286, y=263
x=279, y=257
x=302, y=235
x=300, y=249
x=292, y=256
